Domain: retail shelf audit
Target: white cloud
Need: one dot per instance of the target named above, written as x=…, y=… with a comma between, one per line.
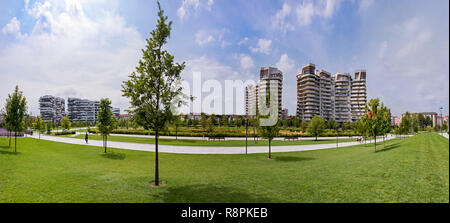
x=280, y=19
x=68, y=50
x=246, y=62
x=364, y=5
x=13, y=27
x=191, y=6
x=263, y=46
x=285, y=64
x=202, y=38
x=307, y=10
x=243, y=41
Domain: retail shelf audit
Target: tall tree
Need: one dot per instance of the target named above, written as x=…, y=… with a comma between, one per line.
x=385, y=122
x=405, y=125
x=16, y=109
x=153, y=87
x=106, y=120
x=316, y=126
x=304, y=125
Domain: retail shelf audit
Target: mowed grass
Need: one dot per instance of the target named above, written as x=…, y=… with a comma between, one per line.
x=407, y=170
x=205, y=142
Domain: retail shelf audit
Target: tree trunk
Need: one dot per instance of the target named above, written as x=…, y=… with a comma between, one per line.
x=270, y=149
x=15, y=142
x=156, y=159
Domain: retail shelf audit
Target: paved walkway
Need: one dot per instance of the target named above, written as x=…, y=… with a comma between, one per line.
x=226, y=138
x=445, y=135
x=199, y=149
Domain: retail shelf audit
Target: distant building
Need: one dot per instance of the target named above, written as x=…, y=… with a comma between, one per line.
x=251, y=99
x=52, y=108
x=432, y=115
x=124, y=117
x=284, y=114
x=396, y=121
x=358, y=97
x=85, y=110
x=342, y=107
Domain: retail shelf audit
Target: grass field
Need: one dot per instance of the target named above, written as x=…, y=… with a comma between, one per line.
x=415, y=169
x=200, y=142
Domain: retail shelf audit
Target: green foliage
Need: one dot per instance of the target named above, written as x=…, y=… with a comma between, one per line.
x=374, y=118
x=316, y=126
x=106, y=119
x=405, y=125
x=155, y=86
x=65, y=123
x=49, y=127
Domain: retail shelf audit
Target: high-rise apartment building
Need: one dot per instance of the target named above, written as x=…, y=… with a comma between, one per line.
x=271, y=80
x=315, y=93
x=51, y=108
x=82, y=110
x=251, y=99
x=342, y=107
x=358, y=97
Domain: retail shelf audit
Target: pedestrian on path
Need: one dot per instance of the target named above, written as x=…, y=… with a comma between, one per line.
x=86, y=138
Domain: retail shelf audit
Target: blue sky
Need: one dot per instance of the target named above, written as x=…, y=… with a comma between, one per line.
x=86, y=48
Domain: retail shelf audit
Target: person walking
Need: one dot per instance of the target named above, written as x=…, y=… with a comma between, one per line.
x=86, y=138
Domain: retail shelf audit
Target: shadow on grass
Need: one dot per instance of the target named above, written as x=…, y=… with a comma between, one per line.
x=114, y=156
x=9, y=152
x=388, y=147
x=292, y=158
x=205, y=193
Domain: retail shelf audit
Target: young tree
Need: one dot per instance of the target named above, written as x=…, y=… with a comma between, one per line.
x=316, y=126
x=39, y=125
x=154, y=85
x=269, y=132
x=65, y=123
x=385, y=122
x=374, y=119
x=16, y=109
x=203, y=123
x=49, y=127
x=106, y=120
x=176, y=121
x=210, y=126
x=405, y=125
x=304, y=126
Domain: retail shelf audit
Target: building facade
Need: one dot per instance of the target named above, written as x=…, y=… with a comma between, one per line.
x=51, y=108
x=358, y=96
x=251, y=99
x=270, y=79
x=308, y=93
x=342, y=107
x=82, y=110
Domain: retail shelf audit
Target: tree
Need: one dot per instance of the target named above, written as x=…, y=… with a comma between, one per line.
x=154, y=85
x=316, y=126
x=106, y=120
x=203, y=122
x=15, y=111
x=421, y=119
x=405, y=125
x=374, y=119
x=385, y=122
x=428, y=121
x=39, y=125
x=414, y=124
x=176, y=121
x=304, y=125
x=49, y=128
x=65, y=123
x=269, y=132
x=210, y=126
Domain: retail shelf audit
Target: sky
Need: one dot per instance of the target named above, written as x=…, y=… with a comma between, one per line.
x=87, y=48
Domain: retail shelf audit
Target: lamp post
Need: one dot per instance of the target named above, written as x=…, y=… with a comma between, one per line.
x=246, y=134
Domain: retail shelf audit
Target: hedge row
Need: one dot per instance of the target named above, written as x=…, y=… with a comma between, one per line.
x=64, y=133
x=216, y=134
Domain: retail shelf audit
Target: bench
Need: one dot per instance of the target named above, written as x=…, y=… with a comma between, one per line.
x=290, y=138
x=216, y=138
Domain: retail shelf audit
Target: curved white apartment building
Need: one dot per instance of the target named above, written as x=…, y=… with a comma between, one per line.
x=358, y=95
x=343, y=82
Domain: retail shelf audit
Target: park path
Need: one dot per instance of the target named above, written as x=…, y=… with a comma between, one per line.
x=199, y=149
x=445, y=135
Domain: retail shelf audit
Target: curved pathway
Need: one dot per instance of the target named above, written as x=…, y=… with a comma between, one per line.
x=199, y=149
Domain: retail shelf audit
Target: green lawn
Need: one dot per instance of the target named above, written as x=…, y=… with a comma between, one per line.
x=200, y=142
x=407, y=170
